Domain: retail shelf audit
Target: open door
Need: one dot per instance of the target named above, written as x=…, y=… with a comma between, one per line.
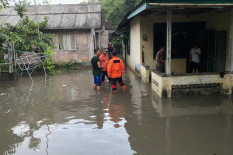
x=210, y=37
x=221, y=48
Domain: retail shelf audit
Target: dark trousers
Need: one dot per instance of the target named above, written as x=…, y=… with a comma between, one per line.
x=194, y=66
x=104, y=73
x=114, y=82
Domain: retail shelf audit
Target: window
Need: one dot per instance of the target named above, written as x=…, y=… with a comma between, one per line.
x=127, y=43
x=67, y=42
x=128, y=46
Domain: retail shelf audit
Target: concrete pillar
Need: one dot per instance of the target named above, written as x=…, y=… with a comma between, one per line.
x=230, y=54
x=91, y=44
x=10, y=58
x=169, y=42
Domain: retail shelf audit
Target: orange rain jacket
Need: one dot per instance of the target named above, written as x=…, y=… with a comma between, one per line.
x=115, y=67
x=104, y=61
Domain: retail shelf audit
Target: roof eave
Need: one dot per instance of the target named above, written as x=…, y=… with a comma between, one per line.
x=148, y=4
x=141, y=8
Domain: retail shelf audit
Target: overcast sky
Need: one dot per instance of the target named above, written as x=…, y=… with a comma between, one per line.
x=52, y=1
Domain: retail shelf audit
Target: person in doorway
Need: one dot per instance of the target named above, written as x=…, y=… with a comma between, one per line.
x=97, y=69
x=104, y=62
x=115, y=71
x=110, y=50
x=160, y=61
x=194, y=59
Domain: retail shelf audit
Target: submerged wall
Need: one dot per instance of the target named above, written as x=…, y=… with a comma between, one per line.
x=200, y=84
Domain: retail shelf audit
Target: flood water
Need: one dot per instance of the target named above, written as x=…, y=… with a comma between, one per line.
x=65, y=116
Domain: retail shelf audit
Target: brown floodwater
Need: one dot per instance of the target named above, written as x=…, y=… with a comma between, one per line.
x=65, y=116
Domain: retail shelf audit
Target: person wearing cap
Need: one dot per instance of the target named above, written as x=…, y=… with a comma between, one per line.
x=115, y=71
x=104, y=62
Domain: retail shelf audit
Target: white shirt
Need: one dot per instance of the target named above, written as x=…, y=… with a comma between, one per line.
x=195, y=53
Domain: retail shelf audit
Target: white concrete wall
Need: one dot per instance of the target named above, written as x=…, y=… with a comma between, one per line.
x=163, y=83
x=145, y=74
x=158, y=83
x=104, y=39
x=135, y=44
x=91, y=43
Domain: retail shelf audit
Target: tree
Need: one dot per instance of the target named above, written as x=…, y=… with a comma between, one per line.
x=115, y=10
x=4, y=3
x=24, y=35
x=21, y=8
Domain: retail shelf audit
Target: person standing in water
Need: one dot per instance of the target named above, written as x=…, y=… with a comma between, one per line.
x=115, y=71
x=160, y=61
x=97, y=69
x=104, y=62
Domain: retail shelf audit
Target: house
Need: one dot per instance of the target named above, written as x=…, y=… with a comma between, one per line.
x=177, y=25
x=77, y=28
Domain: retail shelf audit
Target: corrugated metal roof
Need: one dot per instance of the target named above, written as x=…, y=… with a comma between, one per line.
x=13, y=20
x=77, y=16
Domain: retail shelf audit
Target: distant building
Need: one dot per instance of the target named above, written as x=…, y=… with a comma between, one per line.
x=177, y=25
x=77, y=28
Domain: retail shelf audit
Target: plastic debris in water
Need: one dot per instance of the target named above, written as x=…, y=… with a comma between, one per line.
x=3, y=94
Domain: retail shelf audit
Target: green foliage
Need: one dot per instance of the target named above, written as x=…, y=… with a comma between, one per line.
x=50, y=63
x=67, y=66
x=24, y=36
x=115, y=10
x=117, y=42
x=21, y=8
x=4, y=3
x=4, y=68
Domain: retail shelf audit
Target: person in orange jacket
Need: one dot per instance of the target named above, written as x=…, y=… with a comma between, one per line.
x=104, y=62
x=115, y=71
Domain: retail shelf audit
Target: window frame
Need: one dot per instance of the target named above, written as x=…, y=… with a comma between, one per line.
x=66, y=40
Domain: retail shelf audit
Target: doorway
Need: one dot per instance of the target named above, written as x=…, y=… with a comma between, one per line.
x=221, y=48
x=210, y=45
x=184, y=35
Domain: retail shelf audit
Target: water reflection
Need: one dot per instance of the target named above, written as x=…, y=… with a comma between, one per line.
x=66, y=116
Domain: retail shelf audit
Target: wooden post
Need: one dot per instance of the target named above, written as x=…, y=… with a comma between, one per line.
x=230, y=54
x=10, y=58
x=169, y=42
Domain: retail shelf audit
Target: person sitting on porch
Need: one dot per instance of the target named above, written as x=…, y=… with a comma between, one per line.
x=195, y=53
x=160, y=61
